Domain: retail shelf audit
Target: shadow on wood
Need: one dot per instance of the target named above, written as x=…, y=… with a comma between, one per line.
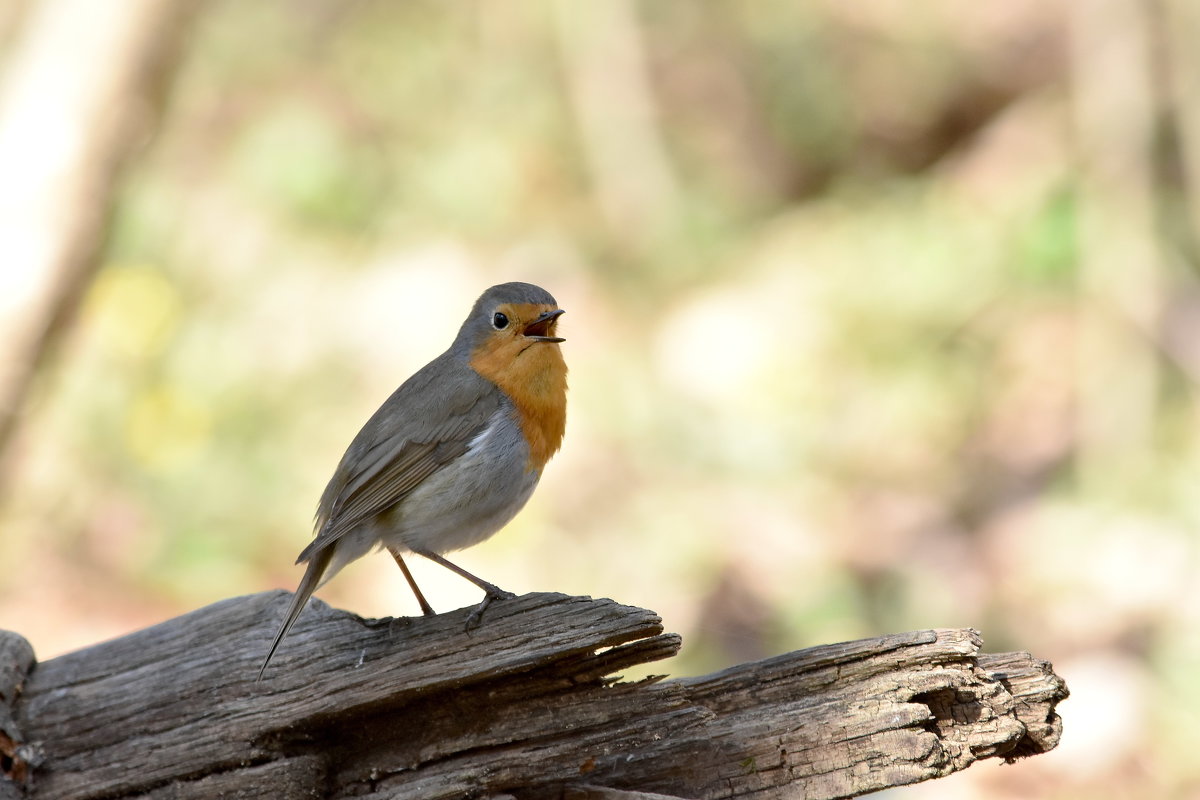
x=523, y=706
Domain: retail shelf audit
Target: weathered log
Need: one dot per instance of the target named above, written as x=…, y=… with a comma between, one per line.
x=523, y=706
x=16, y=757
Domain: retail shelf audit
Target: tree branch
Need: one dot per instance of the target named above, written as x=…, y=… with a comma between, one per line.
x=523, y=706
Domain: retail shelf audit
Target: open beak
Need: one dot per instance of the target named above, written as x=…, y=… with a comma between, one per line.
x=538, y=329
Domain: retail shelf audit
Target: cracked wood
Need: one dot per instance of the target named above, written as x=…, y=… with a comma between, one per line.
x=524, y=706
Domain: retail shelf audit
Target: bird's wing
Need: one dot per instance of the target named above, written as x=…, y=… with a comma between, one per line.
x=391, y=457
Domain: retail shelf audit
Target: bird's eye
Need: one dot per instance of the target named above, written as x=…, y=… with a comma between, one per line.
x=499, y=321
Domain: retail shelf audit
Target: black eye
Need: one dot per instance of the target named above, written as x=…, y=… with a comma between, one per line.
x=499, y=321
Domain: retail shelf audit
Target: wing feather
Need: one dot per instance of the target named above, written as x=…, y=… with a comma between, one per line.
x=389, y=459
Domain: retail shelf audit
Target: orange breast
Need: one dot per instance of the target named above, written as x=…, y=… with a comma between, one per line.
x=534, y=376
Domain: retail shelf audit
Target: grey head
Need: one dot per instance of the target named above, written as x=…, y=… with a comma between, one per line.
x=502, y=299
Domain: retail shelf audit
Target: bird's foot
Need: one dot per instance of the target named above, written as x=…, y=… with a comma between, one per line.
x=493, y=594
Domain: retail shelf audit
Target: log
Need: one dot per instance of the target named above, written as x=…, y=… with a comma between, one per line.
x=524, y=706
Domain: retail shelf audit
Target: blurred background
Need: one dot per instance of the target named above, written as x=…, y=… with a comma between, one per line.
x=881, y=316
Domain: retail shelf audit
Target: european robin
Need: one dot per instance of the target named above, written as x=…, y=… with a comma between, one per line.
x=453, y=454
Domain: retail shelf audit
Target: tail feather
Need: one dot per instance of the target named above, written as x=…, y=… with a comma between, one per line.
x=310, y=581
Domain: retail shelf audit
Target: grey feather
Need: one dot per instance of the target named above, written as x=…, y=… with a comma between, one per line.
x=448, y=439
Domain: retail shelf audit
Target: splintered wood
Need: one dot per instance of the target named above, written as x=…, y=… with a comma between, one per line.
x=525, y=706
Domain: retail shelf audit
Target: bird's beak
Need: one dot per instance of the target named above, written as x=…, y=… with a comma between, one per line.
x=538, y=329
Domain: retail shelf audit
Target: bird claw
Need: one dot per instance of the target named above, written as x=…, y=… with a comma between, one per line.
x=476, y=616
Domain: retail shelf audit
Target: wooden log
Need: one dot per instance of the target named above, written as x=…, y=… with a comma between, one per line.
x=523, y=706
x=16, y=757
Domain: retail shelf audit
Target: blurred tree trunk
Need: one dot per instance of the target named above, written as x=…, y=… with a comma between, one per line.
x=82, y=92
x=1180, y=25
x=604, y=62
x=1115, y=108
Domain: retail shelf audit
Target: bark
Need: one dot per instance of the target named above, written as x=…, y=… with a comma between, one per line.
x=524, y=706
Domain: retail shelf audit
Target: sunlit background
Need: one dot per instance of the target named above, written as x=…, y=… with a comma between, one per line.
x=881, y=316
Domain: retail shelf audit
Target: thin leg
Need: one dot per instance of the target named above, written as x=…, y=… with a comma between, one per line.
x=426, y=609
x=491, y=591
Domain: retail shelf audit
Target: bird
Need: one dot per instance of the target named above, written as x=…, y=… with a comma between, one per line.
x=453, y=454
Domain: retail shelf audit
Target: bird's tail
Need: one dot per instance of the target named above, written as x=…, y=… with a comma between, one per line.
x=310, y=581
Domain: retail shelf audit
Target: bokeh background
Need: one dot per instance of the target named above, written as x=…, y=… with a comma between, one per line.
x=881, y=316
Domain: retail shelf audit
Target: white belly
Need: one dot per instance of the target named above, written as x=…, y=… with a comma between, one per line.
x=469, y=500
x=460, y=505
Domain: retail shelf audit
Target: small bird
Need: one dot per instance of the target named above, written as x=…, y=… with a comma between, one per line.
x=453, y=454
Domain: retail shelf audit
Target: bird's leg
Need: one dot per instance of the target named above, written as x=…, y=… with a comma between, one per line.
x=491, y=591
x=476, y=616
x=426, y=609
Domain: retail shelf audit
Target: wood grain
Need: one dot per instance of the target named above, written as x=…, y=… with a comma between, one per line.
x=523, y=706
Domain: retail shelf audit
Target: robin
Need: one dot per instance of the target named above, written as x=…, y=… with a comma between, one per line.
x=453, y=454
